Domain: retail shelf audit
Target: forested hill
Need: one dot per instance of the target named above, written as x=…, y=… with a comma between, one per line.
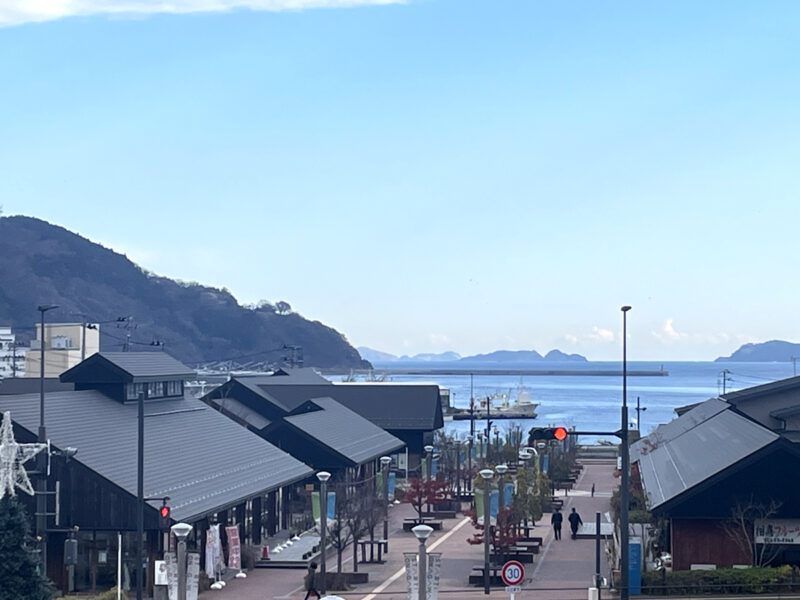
x=42, y=263
x=772, y=351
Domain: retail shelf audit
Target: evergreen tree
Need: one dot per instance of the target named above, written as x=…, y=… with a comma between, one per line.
x=19, y=576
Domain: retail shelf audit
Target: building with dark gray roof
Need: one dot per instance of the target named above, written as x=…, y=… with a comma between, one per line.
x=209, y=467
x=717, y=459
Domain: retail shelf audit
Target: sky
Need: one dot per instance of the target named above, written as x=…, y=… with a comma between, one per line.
x=429, y=175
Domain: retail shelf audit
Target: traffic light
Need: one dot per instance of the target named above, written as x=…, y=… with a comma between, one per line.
x=549, y=433
x=163, y=516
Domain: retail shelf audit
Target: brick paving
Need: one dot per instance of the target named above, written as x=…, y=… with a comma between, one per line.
x=563, y=569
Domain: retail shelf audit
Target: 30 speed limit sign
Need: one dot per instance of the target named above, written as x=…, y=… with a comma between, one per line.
x=513, y=572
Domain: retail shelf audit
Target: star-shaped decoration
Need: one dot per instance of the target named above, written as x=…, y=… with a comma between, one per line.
x=12, y=457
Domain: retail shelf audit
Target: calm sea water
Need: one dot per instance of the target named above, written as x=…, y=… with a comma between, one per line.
x=592, y=403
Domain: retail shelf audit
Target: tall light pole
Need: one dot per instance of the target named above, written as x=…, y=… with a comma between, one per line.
x=181, y=531
x=422, y=532
x=41, y=498
x=501, y=472
x=623, y=495
x=140, y=496
x=487, y=475
x=385, y=462
x=323, y=477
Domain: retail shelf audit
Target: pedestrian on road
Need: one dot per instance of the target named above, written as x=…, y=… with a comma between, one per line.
x=574, y=523
x=592, y=490
x=556, y=519
x=311, y=583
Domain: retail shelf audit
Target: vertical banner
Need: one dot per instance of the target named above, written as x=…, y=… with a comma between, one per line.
x=494, y=499
x=433, y=574
x=545, y=463
x=171, y=562
x=234, y=549
x=412, y=575
x=434, y=467
x=379, y=483
x=479, y=511
x=635, y=565
x=392, y=478
x=213, y=550
x=508, y=492
x=315, y=506
x=192, y=575
x=331, y=506
x=424, y=468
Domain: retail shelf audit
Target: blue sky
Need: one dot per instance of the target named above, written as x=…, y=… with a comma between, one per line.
x=430, y=175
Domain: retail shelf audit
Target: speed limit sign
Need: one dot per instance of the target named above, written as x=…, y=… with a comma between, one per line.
x=513, y=572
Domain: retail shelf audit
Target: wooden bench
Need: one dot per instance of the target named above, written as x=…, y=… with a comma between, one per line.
x=409, y=524
x=381, y=545
x=494, y=575
x=440, y=514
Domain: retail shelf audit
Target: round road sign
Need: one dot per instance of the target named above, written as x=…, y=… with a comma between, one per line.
x=513, y=572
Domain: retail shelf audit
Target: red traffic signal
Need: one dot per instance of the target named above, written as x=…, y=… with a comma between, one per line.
x=164, y=516
x=549, y=433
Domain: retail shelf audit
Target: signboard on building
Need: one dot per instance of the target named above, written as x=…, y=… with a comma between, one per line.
x=777, y=531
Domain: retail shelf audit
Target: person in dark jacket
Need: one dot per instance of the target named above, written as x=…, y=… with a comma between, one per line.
x=556, y=519
x=574, y=522
x=311, y=583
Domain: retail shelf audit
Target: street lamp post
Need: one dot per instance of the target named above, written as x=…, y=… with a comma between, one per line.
x=623, y=509
x=458, y=472
x=41, y=498
x=181, y=531
x=323, y=477
x=428, y=455
x=422, y=532
x=487, y=475
x=385, y=462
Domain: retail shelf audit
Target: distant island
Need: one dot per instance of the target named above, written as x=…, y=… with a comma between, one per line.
x=772, y=351
x=499, y=356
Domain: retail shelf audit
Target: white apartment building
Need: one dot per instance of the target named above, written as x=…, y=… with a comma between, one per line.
x=65, y=345
x=12, y=357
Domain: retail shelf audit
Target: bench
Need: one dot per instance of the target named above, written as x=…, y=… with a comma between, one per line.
x=440, y=514
x=381, y=545
x=409, y=524
x=494, y=575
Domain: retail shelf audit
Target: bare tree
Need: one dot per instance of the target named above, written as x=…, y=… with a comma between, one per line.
x=740, y=528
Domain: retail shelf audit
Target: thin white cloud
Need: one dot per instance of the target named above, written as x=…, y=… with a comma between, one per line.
x=667, y=334
x=18, y=12
x=598, y=335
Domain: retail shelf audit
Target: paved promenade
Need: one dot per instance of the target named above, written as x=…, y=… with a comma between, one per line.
x=563, y=570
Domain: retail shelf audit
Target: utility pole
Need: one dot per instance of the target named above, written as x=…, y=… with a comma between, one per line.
x=639, y=409
x=725, y=380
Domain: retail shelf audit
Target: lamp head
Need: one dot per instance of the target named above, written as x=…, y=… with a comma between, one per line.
x=181, y=531
x=45, y=307
x=523, y=455
x=625, y=309
x=530, y=450
x=501, y=469
x=422, y=532
x=386, y=460
x=428, y=449
x=486, y=473
x=323, y=476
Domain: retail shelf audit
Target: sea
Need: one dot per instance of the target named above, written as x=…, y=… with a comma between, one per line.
x=590, y=402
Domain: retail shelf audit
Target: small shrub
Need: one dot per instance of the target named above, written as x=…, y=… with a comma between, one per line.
x=721, y=581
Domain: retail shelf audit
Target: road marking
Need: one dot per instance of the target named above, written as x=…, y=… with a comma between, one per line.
x=402, y=571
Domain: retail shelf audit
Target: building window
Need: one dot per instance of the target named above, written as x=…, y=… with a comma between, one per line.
x=175, y=388
x=134, y=389
x=155, y=389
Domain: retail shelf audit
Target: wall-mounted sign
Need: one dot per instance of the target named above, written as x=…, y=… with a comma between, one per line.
x=777, y=531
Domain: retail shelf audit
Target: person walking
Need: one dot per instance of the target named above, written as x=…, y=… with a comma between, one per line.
x=311, y=583
x=556, y=519
x=574, y=522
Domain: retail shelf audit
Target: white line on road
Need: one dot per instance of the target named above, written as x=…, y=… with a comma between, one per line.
x=402, y=571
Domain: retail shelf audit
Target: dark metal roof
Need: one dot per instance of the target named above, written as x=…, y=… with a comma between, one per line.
x=344, y=431
x=29, y=385
x=391, y=406
x=762, y=390
x=296, y=376
x=200, y=458
x=241, y=412
x=129, y=367
x=666, y=431
x=690, y=453
x=789, y=411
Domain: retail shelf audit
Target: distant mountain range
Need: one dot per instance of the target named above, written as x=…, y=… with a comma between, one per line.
x=772, y=351
x=499, y=356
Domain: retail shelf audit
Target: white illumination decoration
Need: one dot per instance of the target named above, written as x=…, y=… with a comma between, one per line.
x=12, y=457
